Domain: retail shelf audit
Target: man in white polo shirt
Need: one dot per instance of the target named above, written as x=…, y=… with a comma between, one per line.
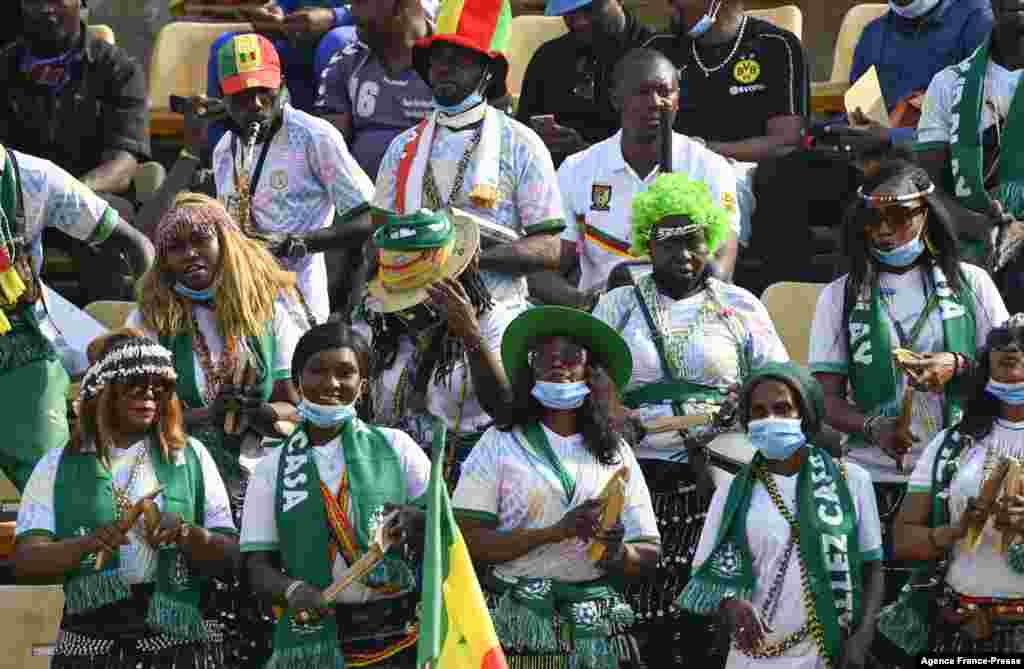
x=598, y=184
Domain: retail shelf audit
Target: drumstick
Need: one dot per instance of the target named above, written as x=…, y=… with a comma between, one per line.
x=989, y=492
x=365, y=564
x=129, y=519
x=676, y=423
x=1013, y=485
x=242, y=373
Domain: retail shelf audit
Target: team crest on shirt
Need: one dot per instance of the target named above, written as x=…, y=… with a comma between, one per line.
x=747, y=71
x=279, y=180
x=600, y=197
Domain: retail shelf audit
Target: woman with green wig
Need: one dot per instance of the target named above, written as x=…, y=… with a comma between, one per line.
x=692, y=338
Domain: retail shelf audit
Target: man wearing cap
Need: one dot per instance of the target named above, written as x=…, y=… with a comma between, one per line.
x=532, y=497
x=570, y=76
x=285, y=175
x=470, y=155
x=370, y=91
x=598, y=184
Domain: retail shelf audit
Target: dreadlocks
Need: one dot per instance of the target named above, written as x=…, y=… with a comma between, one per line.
x=441, y=351
x=249, y=279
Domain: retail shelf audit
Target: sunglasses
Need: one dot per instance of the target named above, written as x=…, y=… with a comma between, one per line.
x=547, y=355
x=141, y=386
x=896, y=216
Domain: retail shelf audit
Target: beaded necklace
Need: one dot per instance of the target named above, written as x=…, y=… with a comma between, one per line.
x=216, y=375
x=708, y=71
x=430, y=193
x=122, y=502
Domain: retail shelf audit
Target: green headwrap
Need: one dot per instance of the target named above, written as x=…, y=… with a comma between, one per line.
x=675, y=194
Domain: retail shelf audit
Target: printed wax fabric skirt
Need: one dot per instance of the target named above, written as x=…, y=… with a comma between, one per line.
x=116, y=637
x=663, y=630
x=247, y=620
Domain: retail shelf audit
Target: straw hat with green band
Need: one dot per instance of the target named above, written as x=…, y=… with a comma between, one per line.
x=600, y=339
x=480, y=25
x=416, y=250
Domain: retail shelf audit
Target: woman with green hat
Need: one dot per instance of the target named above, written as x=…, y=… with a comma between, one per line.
x=529, y=499
x=434, y=330
x=790, y=555
x=692, y=338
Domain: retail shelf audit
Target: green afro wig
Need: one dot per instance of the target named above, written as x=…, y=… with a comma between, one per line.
x=676, y=195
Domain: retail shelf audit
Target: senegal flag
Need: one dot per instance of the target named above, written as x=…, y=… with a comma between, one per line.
x=456, y=631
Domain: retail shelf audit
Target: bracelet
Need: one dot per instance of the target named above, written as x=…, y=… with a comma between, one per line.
x=291, y=588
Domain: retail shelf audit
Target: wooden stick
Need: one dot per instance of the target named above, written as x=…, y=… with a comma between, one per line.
x=361, y=568
x=614, y=497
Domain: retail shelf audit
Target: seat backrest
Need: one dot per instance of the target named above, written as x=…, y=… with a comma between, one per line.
x=787, y=17
x=111, y=313
x=791, y=306
x=104, y=32
x=179, y=60
x=30, y=617
x=856, y=19
x=526, y=35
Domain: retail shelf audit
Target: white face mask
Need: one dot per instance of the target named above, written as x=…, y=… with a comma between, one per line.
x=704, y=24
x=915, y=9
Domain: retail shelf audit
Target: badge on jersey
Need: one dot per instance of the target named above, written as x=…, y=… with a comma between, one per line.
x=600, y=197
x=747, y=71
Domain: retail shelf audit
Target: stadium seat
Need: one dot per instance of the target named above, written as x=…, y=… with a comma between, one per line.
x=178, y=67
x=103, y=32
x=827, y=96
x=526, y=35
x=30, y=618
x=111, y=313
x=787, y=17
x=791, y=307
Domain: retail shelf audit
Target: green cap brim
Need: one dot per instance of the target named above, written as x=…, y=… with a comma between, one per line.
x=595, y=335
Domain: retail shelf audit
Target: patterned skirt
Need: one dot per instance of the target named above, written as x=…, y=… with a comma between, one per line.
x=662, y=629
x=1007, y=637
x=113, y=637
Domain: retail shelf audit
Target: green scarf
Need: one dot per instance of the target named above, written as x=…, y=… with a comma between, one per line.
x=526, y=612
x=872, y=369
x=180, y=345
x=537, y=445
x=83, y=500
x=905, y=622
x=829, y=549
x=967, y=152
x=375, y=476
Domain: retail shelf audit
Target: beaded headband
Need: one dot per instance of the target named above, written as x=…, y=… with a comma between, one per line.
x=205, y=218
x=679, y=231
x=130, y=359
x=886, y=198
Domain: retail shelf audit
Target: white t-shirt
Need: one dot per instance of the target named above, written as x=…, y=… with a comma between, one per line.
x=937, y=123
x=983, y=572
x=905, y=297
x=285, y=330
x=447, y=401
x=718, y=355
x=502, y=479
x=767, y=538
x=138, y=560
x=259, y=520
x=308, y=176
x=598, y=187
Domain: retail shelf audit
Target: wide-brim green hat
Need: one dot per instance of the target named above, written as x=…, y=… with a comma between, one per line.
x=600, y=339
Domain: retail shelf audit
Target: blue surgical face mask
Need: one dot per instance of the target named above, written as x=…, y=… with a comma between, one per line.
x=915, y=9
x=777, y=438
x=195, y=295
x=901, y=256
x=326, y=415
x=1007, y=393
x=705, y=22
x=472, y=100
x=563, y=396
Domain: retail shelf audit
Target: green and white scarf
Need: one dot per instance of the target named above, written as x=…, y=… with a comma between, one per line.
x=905, y=622
x=375, y=476
x=526, y=610
x=83, y=500
x=872, y=370
x=829, y=548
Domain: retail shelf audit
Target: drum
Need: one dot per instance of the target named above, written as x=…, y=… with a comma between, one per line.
x=727, y=454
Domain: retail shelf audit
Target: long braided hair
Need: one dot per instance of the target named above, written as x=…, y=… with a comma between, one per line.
x=443, y=350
